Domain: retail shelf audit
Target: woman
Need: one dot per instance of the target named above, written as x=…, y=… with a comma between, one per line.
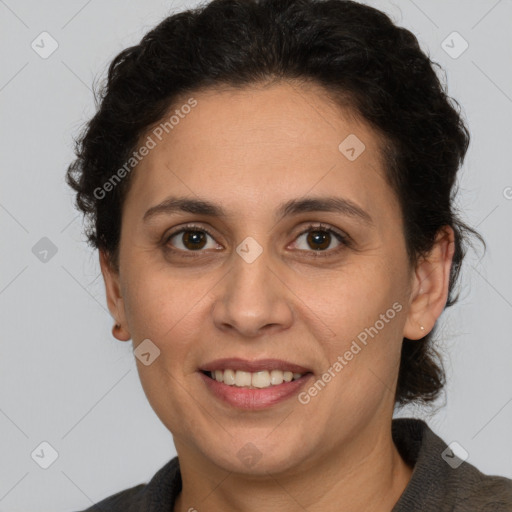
x=270, y=188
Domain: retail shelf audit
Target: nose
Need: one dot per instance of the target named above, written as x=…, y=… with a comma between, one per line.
x=252, y=298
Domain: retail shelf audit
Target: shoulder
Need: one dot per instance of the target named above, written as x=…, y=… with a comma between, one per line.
x=441, y=480
x=158, y=494
x=488, y=493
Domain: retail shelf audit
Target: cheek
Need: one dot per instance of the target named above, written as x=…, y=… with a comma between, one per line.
x=354, y=297
x=366, y=312
x=159, y=302
x=362, y=369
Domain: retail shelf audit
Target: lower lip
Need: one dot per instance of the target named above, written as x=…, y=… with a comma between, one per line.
x=245, y=398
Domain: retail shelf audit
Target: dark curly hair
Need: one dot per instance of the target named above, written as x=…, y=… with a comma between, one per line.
x=362, y=60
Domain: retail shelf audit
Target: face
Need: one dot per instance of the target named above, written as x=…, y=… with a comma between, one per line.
x=320, y=291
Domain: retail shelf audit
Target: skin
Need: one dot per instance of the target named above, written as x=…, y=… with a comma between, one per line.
x=250, y=150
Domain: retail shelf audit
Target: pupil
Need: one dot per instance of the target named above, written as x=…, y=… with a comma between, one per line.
x=315, y=236
x=193, y=237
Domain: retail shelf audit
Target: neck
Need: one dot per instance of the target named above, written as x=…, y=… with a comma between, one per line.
x=346, y=480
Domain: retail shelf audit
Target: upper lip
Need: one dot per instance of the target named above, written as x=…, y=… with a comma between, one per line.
x=235, y=363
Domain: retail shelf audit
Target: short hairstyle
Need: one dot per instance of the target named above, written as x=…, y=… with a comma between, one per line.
x=361, y=59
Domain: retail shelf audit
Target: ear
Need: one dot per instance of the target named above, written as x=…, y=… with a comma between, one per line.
x=115, y=300
x=430, y=286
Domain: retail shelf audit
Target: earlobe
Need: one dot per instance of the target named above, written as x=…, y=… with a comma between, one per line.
x=430, y=286
x=120, y=334
x=114, y=298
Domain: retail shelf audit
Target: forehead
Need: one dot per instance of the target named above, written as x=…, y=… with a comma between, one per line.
x=259, y=145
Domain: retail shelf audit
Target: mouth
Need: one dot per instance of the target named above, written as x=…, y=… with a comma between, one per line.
x=253, y=380
x=253, y=384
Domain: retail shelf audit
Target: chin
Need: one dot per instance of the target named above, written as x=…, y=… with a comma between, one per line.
x=249, y=455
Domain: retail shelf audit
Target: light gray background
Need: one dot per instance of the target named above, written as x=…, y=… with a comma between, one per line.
x=65, y=380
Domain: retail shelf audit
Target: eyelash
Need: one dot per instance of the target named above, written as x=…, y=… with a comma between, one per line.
x=344, y=239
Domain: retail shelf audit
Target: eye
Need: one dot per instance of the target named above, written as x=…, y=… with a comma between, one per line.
x=320, y=237
x=193, y=238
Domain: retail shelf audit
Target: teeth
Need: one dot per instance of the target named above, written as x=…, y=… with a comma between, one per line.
x=228, y=377
x=263, y=379
x=276, y=377
x=242, y=379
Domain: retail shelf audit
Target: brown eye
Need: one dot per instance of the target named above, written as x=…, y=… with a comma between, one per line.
x=320, y=238
x=189, y=239
x=193, y=239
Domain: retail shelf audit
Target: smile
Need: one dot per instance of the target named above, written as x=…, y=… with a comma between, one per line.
x=252, y=380
x=255, y=384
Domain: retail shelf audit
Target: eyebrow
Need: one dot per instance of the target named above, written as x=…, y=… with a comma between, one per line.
x=293, y=207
